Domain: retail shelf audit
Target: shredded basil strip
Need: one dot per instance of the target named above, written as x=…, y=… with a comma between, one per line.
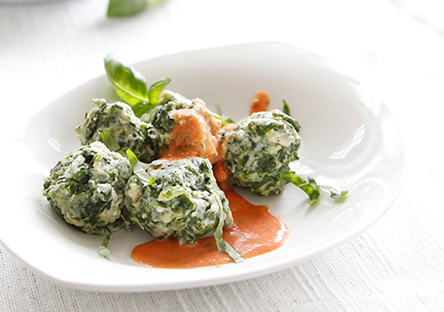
x=121, y=8
x=286, y=108
x=109, y=141
x=334, y=193
x=311, y=187
x=129, y=84
x=103, y=249
x=222, y=117
x=222, y=245
x=139, y=168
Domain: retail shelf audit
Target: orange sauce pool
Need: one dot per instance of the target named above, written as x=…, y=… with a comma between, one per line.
x=255, y=232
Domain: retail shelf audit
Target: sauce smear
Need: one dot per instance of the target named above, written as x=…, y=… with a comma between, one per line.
x=255, y=232
x=195, y=133
x=260, y=102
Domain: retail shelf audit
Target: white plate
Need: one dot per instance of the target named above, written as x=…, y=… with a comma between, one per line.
x=349, y=140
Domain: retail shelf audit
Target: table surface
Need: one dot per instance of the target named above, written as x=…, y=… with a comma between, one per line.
x=397, y=47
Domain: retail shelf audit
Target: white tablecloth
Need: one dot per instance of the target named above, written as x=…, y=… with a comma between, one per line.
x=397, y=47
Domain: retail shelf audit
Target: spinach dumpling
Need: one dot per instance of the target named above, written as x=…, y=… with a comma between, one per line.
x=87, y=188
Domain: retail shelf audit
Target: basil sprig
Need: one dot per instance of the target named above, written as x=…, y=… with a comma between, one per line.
x=311, y=187
x=131, y=86
x=153, y=97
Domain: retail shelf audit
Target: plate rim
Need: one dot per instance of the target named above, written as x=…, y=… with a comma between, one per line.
x=207, y=282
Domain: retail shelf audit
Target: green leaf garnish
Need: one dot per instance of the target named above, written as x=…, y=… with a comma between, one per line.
x=131, y=87
x=286, y=108
x=222, y=117
x=311, y=187
x=129, y=84
x=334, y=193
x=140, y=108
x=132, y=157
x=121, y=8
x=103, y=249
x=139, y=168
x=109, y=141
x=157, y=88
x=222, y=245
x=153, y=96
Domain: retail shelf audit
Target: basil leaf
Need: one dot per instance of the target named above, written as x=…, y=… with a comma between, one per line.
x=141, y=108
x=311, y=187
x=103, y=249
x=121, y=8
x=222, y=245
x=153, y=96
x=129, y=84
x=286, y=108
x=156, y=88
x=109, y=141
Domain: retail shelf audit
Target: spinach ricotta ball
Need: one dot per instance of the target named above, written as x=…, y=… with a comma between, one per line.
x=183, y=127
x=87, y=188
x=177, y=198
x=260, y=147
x=119, y=120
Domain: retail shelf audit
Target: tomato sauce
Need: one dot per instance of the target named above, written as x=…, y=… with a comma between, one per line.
x=260, y=102
x=195, y=133
x=220, y=172
x=255, y=232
